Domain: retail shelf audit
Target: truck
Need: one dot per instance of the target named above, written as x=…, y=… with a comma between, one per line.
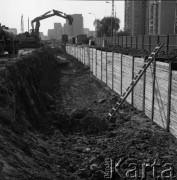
x=8, y=41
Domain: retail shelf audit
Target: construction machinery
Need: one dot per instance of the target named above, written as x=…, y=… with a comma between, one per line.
x=32, y=39
x=8, y=41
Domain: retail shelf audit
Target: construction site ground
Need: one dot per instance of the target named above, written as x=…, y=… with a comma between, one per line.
x=72, y=140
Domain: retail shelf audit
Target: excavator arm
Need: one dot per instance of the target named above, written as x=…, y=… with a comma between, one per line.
x=47, y=15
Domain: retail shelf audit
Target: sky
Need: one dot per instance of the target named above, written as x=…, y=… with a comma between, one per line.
x=12, y=10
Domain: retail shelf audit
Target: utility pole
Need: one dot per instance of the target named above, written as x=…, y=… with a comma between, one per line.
x=112, y=18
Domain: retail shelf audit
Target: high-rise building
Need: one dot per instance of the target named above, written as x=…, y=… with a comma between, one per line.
x=51, y=34
x=128, y=16
x=149, y=17
x=162, y=17
x=77, y=26
x=65, y=29
x=135, y=16
x=57, y=31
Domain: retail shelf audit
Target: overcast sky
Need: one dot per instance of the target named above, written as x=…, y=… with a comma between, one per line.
x=11, y=11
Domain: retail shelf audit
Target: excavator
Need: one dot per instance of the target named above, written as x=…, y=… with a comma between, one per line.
x=32, y=39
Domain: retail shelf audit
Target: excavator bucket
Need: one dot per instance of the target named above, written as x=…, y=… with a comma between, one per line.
x=70, y=19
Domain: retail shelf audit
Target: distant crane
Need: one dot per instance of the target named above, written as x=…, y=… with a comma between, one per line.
x=22, y=24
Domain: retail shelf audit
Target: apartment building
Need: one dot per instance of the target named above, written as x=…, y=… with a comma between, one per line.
x=150, y=17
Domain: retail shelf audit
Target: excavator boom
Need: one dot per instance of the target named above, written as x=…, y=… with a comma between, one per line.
x=47, y=15
x=28, y=40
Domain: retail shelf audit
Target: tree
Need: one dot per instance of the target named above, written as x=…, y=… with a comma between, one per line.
x=103, y=26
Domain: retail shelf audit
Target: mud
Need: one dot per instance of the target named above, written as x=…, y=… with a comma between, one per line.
x=52, y=124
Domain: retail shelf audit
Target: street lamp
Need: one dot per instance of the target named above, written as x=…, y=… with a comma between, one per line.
x=95, y=19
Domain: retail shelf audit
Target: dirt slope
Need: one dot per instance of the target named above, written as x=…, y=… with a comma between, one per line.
x=52, y=125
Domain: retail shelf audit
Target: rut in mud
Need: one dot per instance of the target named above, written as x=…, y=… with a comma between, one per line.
x=52, y=124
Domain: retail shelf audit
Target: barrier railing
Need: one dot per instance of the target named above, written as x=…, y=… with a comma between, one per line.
x=146, y=42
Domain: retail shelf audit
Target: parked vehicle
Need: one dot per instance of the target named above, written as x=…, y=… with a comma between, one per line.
x=8, y=41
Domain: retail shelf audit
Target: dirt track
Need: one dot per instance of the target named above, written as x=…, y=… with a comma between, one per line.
x=76, y=139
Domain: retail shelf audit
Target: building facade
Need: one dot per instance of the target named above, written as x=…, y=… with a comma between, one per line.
x=150, y=17
x=57, y=31
x=135, y=16
x=51, y=34
x=162, y=17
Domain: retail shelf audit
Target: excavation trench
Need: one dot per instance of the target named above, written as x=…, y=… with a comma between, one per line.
x=52, y=123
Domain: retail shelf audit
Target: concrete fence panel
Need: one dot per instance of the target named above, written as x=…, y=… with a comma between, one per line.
x=138, y=89
x=155, y=93
x=127, y=74
x=109, y=69
x=117, y=72
x=161, y=94
x=173, y=112
x=98, y=74
x=93, y=62
x=148, y=91
x=104, y=66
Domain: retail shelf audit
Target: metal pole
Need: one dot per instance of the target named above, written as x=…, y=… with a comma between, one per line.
x=112, y=70
x=153, y=89
x=169, y=97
